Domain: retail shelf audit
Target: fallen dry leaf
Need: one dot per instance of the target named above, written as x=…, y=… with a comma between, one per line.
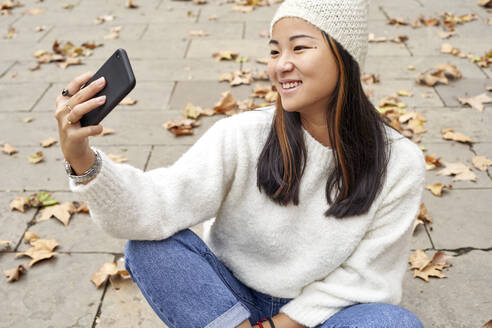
x=5, y=244
x=422, y=217
x=14, y=274
x=131, y=5
x=481, y=162
x=425, y=267
x=476, y=102
x=437, y=188
x=48, y=142
x=431, y=162
x=225, y=55
x=63, y=212
x=198, y=33
x=28, y=119
x=18, y=204
x=8, y=149
x=36, y=158
x=128, y=101
x=181, y=127
x=108, y=270
x=460, y=171
x=28, y=236
x=226, y=102
x=370, y=78
x=42, y=249
x=117, y=158
x=449, y=134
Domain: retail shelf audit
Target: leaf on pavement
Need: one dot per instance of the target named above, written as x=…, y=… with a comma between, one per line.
x=8, y=149
x=437, y=188
x=28, y=236
x=131, y=5
x=422, y=217
x=481, y=162
x=460, y=171
x=476, y=102
x=128, y=101
x=14, y=274
x=117, y=158
x=423, y=267
x=36, y=158
x=431, y=162
x=48, y=142
x=181, y=127
x=109, y=270
x=198, y=33
x=225, y=55
x=5, y=244
x=42, y=249
x=226, y=103
x=449, y=134
x=63, y=212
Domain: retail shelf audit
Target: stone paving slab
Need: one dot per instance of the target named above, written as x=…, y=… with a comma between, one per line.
x=158, y=70
x=385, y=49
x=452, y=151
x=131, y=128
x=458, y=301
x=53, y=293
x=224, y=14
x=206, y=94
x=13, y=223
x=96, y=32
x=23, y=33
x=127, y=308
x=81, y=235
x=24, y=51
x=149, y=95
x=20, y=96
x=464, y=88
x=50, y=173
x=217, y=30
x=389, y=87
x=5, y=66
x=465, y=120
x=459, y=218
x=250, y=48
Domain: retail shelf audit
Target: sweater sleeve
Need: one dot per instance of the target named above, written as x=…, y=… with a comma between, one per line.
x=374, y=271
x=128, y=203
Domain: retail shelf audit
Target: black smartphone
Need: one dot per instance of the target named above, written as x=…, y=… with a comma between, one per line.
x=120, y=80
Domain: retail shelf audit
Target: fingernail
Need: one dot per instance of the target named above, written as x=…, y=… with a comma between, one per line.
x=101, y=99
x=99, y=81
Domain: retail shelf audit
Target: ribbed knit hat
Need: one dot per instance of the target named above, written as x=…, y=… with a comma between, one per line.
x=343, y=20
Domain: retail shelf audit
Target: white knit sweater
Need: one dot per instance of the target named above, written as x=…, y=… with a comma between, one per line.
x=324, y=264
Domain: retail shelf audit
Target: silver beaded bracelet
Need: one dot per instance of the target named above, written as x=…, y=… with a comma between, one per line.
x=87, y=175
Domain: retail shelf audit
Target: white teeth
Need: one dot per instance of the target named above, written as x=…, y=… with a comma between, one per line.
x=290, y=85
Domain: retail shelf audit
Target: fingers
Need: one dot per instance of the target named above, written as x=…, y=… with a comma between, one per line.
x=87, y=92
x=79, y=110
x=74, y=85
x=91, y=130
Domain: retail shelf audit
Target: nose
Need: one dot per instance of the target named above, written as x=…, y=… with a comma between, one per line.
x=284, y=64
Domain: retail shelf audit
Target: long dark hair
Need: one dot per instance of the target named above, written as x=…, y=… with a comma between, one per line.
x=357, y=138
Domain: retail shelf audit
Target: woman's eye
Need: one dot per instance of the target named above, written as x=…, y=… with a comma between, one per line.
x=299, y=47
x=273, y=52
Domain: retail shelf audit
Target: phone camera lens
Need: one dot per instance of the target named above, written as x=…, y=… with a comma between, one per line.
x=118, y=56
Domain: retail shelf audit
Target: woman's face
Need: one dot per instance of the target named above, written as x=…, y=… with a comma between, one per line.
x=308, y=59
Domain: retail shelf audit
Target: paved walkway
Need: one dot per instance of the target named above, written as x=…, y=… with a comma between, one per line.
x=172, y=69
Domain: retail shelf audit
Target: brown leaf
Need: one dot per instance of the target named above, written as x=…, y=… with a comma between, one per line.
x=100, y=276
x=198, y=33
x=13, y=274
x=446, y=48
x=437, y=188
x=425, y=267
x=431, y=162
x=63, y=212
x=370, y=78
x=460, y=171
x=48, y=142
x=36, y=158
x=128, y=101
x=477, y=101
x=131, y=5
x=18, y=204
x=28, y=236
x=8, y=149
x=42, y=249
x=481, y=162
x=117, y=158
x=225, y=55
x=488, y=324
x=28, y=119
x=449, y=134
x=226, y=103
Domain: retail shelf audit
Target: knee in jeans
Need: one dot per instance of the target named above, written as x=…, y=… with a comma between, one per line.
x=401, y=317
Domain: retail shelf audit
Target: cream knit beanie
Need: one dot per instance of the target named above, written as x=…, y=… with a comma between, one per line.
x=343, y=20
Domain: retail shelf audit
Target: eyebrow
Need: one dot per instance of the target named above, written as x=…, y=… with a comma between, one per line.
x=292, y=38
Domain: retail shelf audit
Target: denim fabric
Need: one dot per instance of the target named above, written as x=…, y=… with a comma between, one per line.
x=188, y=287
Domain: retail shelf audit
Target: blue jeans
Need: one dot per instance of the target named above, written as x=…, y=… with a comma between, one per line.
x=188, y=287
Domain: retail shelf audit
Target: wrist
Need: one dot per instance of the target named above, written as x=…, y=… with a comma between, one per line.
x=81, y=165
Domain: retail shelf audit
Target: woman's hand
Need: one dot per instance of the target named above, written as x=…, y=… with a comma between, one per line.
x=74, y=139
